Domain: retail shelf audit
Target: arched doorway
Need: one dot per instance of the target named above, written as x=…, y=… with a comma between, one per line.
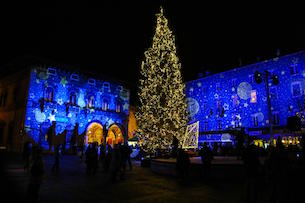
x=94, y=133
x=114, y=135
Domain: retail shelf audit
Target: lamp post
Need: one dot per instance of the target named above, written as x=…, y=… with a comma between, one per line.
x=259, y=79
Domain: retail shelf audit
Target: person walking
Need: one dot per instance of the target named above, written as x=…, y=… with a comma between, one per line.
x=206, y=155
x=37, y=173
x=108, y=157
x=94, y=157
x=102, y=155
x=252, y=164
x=129, y=151
x=26, y=154
x=123, y=153
x=55, y=167
x=81, y=152
x=182, y=164
x=115, y=162
x=186, y=164
x=277, y=163
x=89, y=159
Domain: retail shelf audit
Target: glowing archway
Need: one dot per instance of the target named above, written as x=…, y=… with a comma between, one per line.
x=114, y=135
x=95, y=133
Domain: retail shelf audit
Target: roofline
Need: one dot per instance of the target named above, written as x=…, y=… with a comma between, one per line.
x=90, y=74
x=63, y=66
x=246, y=66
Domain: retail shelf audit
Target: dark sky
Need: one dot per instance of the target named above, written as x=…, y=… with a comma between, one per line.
x=111, y=37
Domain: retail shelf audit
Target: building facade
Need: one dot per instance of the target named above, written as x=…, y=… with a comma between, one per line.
x=13, y=94
x=72, y=104
x=232, y=99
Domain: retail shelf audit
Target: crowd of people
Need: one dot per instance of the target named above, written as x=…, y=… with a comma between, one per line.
x=271, y=164
x=277, y=167
x=113, y=161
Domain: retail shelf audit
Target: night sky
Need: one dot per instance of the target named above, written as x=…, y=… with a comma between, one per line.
x=111, y=37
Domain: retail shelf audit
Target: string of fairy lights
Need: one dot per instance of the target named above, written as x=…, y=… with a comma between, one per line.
x=162, y=113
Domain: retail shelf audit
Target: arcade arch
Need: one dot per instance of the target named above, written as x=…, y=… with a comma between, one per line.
x=114, y=135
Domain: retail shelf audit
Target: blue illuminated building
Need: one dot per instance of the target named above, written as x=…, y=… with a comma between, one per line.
x=97, y=107
x=232, y=99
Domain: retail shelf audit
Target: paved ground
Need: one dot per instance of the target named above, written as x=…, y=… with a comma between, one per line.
x=217, y=160
x=140, y=185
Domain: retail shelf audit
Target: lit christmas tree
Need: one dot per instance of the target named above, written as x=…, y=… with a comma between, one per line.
x=162, y=113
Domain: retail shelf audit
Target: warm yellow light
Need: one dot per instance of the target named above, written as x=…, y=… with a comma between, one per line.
x=253, y=96
x=162, y=113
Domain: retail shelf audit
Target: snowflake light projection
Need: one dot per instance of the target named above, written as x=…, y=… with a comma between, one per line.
x=59, y=106
x=235, y=95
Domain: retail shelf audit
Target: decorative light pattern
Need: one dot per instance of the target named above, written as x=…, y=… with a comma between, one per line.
x=252, y=97
x=51, y=118
x=191, y=136
x=163, y=110
x=41, y=113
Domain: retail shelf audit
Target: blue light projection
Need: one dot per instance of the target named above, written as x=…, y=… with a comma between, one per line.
x=233, y=99
x=45, y=106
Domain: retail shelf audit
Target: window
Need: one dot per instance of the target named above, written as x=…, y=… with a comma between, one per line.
x=218, y=103
x=204, y=90
x=218, y=86
x=124, y=94
x=237, y=124
x=235, y=101
x=2, y=126
x=206, y=126
x=118, y=107
x=3, y=98
x=296, y=89
x=276, y=119
x=105, y=105
x=205, y=105
x=273, y=92
x=294, y=69
x=106, y=87
x=253, y=96
x=255, y=120
x=251, y=78
x=220, y=109
x=219, y=124
x=49, y=94
x=119, y=88
x=73, y=98
x=10, y=132
x=51, y=71
x=90, y=101
x=16, y=95
x=74, y=77
x=270, y=71
x=91, y=81
x=234, y=82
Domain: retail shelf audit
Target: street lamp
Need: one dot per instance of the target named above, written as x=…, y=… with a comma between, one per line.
x=259, y=77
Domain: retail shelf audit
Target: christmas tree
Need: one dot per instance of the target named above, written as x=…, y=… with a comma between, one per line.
x=162, y=113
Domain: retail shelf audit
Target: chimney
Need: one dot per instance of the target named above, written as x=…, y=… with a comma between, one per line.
x=278, y=52
x=200, y=75
x=240, y=63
